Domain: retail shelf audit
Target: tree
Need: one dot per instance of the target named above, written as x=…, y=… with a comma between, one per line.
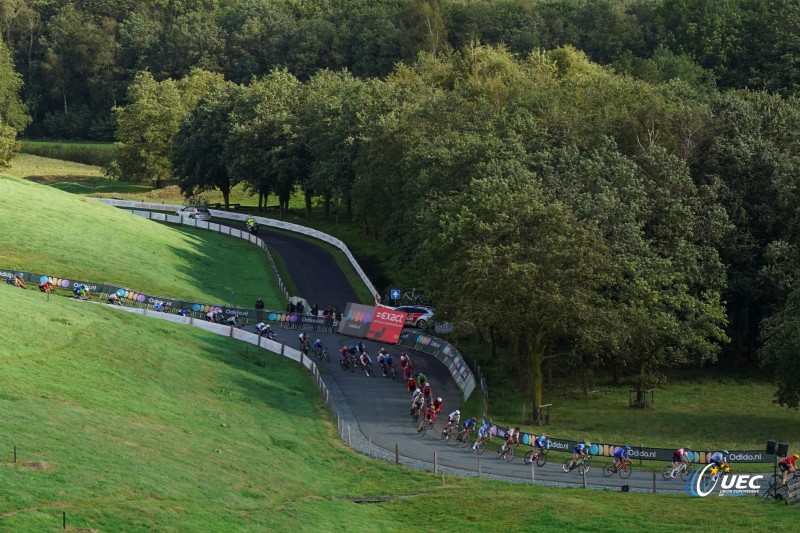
x=505, y=255
x=13, y=115
x=147, y=126
x=198, y=153
x=781, y=337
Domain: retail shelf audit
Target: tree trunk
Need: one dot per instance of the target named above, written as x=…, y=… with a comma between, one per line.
x=640, y=399
x=308, y=204
x=226, y=195
x=536, y=354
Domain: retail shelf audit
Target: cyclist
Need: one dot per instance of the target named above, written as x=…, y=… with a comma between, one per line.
x=46, y=286
x=19, y=281
x=430, y=416
x=426, y=392
x=579, y=452
x=483, y=432
x=422, y=379
x=343, y=355
x=318, y=347
x=452, y=419
x=264, y=330
x=411, y=383
x=512, y=437
x=681, y=455
x=469, y=424
x=115, y=298
x=408, y=372
x=250, y=222
x=542, y=442
x=233, y=321
x=388, y=363
x=215, y=315
x=438, y=404
x=381, y=360
x=303, y=337
x=416, y=401
x=365, y=361
x=621, y=456
x=720, y=461
x=361, y=348
x=788, y=466
x=158, y=305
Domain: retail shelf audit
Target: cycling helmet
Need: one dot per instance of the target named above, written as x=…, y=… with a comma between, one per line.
x=725, y=452
x=688, y=447
x=403, y=356
x=317, y=340
x=628, y=448
x=439, y=399
x=418, y=391
x=459, y=412
x=796, y=456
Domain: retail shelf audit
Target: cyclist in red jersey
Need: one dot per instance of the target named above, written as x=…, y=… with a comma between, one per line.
x=412, y=384
x=788, y=466
x=430, y=416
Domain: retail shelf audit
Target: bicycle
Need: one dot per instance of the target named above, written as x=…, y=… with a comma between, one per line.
x=583, y=465
x=415, y=413
x=447, y=432
x=392, y=374
x=462, y=439
x=322, y=353
x=506, y=453
x=478, y=446
x=623, y=470
x=425, y=427
x=368, y=370
x=305, y=347
x=682, y=471
x=538, y=455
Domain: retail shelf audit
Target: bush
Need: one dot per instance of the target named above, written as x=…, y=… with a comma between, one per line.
x=98, y=154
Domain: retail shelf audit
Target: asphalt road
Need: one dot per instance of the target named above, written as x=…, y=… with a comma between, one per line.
x=382, y=406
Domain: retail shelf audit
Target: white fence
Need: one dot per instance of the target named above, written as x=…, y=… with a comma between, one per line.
x=270, y=222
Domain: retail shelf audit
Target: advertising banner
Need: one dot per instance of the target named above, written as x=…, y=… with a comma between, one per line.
x=386, y=325
x=356, y=320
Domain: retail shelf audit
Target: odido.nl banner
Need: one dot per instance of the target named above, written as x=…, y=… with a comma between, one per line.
x=356, y=320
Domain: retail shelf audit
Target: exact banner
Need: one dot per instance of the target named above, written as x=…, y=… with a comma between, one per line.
x=356, y=320
x=386, y=325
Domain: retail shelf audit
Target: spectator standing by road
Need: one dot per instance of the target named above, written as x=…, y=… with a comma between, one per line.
x=300, y=308
x=290, y=310
x=337, y=315
x=315, y=310
x=260, y=309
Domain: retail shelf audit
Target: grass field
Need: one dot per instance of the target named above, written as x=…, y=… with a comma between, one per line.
x=132, y=424
x=61, y=234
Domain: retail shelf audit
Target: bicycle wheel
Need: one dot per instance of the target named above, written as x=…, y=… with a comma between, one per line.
x=481, y=448
x=542, y=459
x=501, y=452
x=667, y=472
x=463, y=439
x=625, y=471
x=585, y=466
x=327, y=357
x=528, y=459
x=567, y=466
x=608, y=470
x=445, y=434
x=510, y=454
x=424, y=430
x=684, y=473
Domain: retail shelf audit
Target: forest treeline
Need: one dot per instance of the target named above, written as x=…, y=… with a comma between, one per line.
x=77, y=57
x=604, y=185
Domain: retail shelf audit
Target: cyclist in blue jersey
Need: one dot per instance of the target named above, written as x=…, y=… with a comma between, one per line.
x=720, y=461
x=361, y=347
x=542, y=442
x=579, y=452
x=622, y=456
x=483, y=432
x=469, y=423
x=318, y=346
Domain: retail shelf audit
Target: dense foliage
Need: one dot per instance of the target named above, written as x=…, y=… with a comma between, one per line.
x=78, y=57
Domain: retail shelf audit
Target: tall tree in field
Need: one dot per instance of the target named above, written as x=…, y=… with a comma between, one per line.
x=505, y=254
x=147, y=125
x=264, y=148
x=199, y=158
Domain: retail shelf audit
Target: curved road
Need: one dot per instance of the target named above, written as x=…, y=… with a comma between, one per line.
x=381, y=406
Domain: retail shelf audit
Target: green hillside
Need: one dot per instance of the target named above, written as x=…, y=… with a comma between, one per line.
x=128, y=423
x=52, y=232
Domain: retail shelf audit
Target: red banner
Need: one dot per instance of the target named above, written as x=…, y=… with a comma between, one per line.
x=386, y=324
